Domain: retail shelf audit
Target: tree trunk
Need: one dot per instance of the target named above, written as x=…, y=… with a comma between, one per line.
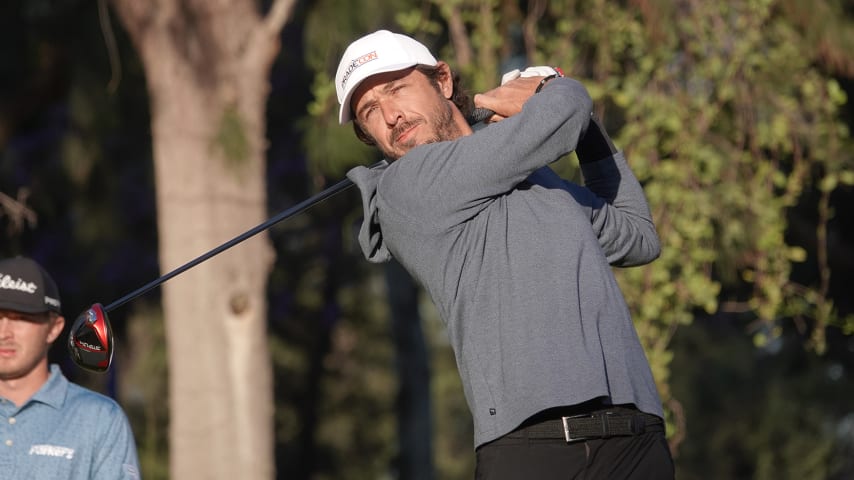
x=207, y=65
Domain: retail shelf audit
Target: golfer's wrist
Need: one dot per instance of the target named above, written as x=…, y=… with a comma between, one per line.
x=548, y=78
x=544, y=81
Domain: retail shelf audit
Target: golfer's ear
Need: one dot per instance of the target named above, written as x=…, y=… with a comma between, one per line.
x=446, y=79
x=58, y=323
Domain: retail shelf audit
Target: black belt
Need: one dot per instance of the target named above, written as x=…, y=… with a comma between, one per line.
x=588, y=426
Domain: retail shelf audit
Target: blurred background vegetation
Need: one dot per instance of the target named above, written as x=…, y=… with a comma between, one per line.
x=735, y=115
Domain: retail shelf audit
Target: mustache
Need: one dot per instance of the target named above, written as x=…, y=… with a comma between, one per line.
x=398, y=130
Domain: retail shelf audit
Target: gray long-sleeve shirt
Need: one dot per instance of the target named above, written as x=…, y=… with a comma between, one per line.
x=518, y=261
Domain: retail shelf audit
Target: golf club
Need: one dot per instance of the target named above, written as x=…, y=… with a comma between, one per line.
x=90, y=340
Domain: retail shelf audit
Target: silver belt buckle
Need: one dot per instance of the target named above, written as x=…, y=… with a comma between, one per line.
x=566, y=435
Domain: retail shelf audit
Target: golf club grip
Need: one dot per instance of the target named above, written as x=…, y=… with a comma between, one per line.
x=323, y=195
x=479, y=114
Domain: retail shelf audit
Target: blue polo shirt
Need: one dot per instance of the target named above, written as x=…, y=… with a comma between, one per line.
x=66, y=432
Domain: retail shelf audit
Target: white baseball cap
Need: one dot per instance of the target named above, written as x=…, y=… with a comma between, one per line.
x=378, y=52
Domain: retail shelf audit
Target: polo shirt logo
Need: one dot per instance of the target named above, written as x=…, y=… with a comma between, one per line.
x=52, y=451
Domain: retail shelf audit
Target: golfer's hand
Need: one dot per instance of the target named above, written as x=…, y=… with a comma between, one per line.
x=507, y=100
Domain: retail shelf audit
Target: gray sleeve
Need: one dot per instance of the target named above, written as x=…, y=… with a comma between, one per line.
x=370, y=233
x=456, y=179
x=621, y=219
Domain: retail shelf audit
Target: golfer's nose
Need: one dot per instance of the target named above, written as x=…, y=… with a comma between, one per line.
x=5, y=326
x=391, y=112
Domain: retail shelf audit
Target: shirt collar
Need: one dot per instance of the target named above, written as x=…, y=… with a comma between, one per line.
x=54, y=389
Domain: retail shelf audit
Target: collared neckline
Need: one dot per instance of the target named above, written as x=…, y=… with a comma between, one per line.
x=53, y=391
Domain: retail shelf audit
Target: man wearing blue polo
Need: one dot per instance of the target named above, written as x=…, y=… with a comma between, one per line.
x=50, y=428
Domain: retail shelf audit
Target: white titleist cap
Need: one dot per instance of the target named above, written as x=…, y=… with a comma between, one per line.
x=379, y=52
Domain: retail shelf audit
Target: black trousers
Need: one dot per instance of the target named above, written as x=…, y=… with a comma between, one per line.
x=516, y=456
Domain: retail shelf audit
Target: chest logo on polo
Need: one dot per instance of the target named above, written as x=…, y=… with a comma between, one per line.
x=52, y=451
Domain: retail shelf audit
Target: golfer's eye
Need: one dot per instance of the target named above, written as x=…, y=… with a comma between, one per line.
x=367, y=111
x=24, y=317
x=10, y=315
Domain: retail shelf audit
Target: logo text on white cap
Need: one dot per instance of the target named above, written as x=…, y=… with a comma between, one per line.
x=356, y=63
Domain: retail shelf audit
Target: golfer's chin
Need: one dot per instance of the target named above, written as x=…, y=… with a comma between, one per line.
x=399, y=149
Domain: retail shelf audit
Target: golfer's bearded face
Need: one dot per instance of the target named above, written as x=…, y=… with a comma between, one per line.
x=401, y=110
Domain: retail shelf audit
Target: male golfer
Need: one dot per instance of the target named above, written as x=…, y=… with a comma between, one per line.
x=517, y=260
x=50, y=428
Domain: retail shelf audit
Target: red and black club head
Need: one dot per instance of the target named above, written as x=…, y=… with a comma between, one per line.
x=90, y=341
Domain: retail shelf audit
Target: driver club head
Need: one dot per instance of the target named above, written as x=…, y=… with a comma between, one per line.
x=90, y=341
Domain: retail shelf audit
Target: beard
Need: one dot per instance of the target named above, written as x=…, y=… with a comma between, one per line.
x=441, y=125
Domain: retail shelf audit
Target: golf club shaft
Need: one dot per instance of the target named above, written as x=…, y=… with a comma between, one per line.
x=477, y=115
x=338, y=187
x=90, y=341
